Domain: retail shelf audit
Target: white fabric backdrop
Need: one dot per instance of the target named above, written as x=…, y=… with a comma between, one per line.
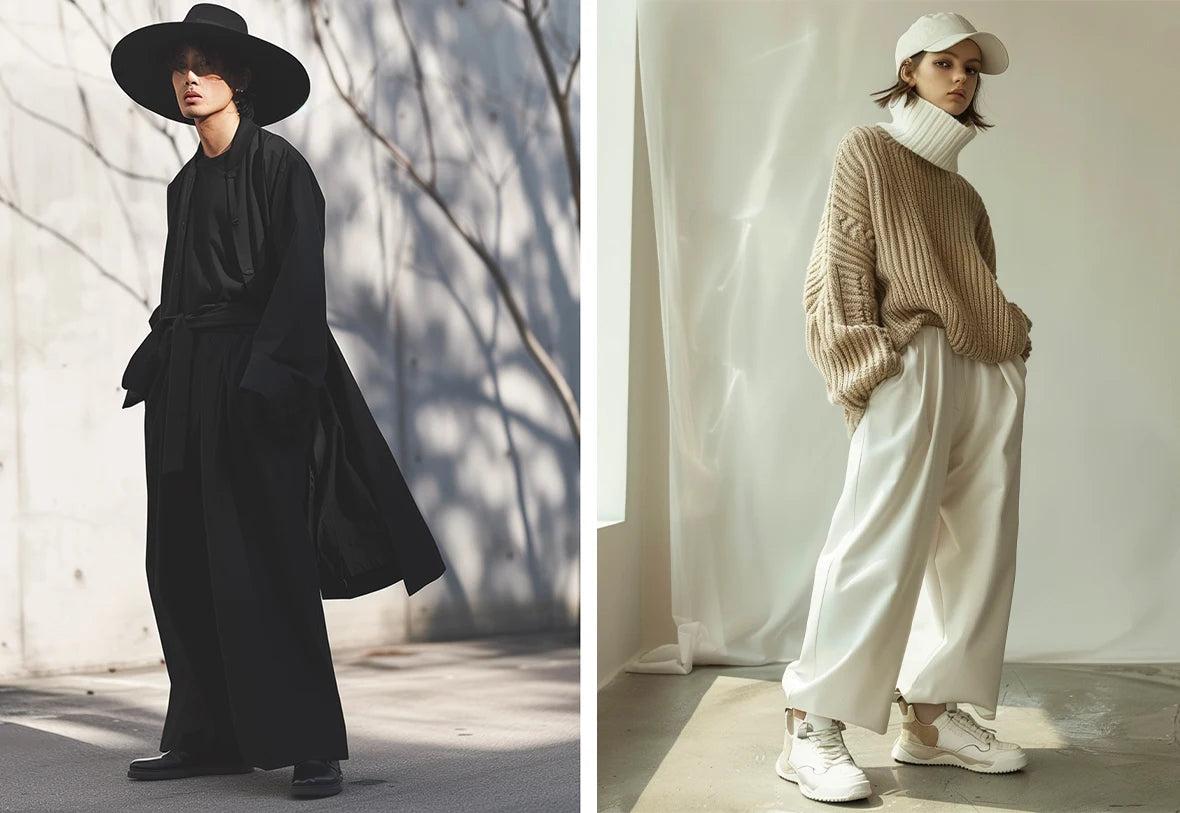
x=745, y=103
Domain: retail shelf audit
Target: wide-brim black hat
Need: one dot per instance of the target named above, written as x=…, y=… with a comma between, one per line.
x=279, y=84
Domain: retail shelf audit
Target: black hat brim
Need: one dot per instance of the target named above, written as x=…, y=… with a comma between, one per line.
x=279, y=84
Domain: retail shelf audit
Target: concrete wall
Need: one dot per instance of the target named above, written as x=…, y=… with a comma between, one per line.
x=481, y=438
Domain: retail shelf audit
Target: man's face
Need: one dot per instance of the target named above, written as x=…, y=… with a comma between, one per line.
x=197, y=79
x=941, y=72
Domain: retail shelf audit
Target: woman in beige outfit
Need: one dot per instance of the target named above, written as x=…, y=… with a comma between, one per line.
x=917, y=342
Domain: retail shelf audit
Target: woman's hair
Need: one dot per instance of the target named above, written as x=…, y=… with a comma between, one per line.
x=901, y=88
x=228, y=63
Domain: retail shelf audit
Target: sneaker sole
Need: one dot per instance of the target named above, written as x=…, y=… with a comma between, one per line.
x=862, y=791
x=913, y=754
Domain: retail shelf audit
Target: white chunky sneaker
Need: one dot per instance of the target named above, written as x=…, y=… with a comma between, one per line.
x=954, y=738
x=817, y=760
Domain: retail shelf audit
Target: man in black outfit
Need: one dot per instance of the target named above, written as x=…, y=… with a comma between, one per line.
x=269, y=483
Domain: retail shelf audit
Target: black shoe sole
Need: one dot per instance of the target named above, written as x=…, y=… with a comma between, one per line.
x=316, y=791
x=183, y=773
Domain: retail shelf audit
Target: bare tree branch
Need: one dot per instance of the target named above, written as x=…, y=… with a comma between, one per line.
x=101, y=37
x=559, y=101
x=86, y=143
x=542, y=358
x=340, y=52
x=141, y=299
x=401, y=18
x=569, y=77
x=40, y=56
x=400, y=157
x=158, y=123
x=107, y=16
x=514, y=6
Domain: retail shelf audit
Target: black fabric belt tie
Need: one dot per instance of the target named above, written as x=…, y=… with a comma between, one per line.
x=177, y=334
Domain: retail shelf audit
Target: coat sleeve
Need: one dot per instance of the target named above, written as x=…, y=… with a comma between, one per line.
x=144, y=365
x=290, y=351
x=845, y=338
x=987, y=249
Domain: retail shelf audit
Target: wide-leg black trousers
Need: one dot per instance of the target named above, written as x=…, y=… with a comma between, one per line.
x=232, y=573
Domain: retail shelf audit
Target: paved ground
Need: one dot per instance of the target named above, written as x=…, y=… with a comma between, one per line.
x=483, y=725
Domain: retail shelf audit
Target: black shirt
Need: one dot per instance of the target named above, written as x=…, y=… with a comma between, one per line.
x=209, y=267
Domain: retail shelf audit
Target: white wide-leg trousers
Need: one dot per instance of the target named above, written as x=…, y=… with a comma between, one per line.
x=913, y=588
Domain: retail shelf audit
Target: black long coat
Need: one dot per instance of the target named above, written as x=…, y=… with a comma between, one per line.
x=367, y=528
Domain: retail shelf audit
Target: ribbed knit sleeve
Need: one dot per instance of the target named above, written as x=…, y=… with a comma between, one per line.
x=987, y=249
x=845, y=338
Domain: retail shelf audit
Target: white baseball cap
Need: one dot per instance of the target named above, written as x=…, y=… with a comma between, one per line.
x=939, y=31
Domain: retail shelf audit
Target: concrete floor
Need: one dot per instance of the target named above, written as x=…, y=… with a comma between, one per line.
x=1099, y=738
x=481, y=725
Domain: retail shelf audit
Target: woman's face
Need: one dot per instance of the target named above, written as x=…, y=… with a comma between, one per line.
x=200, y=88
x=941, y=73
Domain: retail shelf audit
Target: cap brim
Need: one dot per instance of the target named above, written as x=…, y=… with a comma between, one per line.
x=279, y=84
x=994, y=54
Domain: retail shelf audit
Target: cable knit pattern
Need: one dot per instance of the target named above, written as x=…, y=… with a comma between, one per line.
x=903, y=242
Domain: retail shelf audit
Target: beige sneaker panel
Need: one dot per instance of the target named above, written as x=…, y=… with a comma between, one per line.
x=917, y=731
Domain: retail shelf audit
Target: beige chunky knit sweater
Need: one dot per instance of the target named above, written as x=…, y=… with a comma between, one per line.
x=904, y=241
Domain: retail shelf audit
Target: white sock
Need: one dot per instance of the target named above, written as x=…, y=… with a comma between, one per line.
x=818, y=721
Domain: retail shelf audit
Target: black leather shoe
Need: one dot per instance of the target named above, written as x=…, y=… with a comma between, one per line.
x=179, y=764
x=317, y=777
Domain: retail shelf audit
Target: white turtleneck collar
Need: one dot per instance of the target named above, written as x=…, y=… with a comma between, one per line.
x=929, y=131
